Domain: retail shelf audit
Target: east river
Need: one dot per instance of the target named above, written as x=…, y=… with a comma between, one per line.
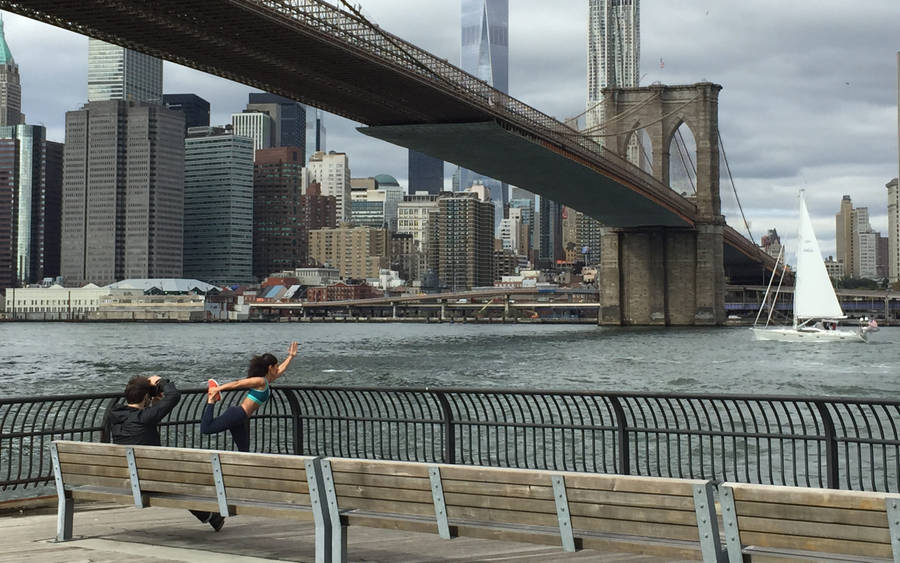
x=64, y=358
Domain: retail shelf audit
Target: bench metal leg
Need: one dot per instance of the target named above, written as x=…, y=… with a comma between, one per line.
x=338, y=528
x=66, y=508
x=319, y=504
x=730, y=522
x=707, y=524
x=64, y=517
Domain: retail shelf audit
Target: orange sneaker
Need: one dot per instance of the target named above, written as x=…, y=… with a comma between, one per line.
x=213, y=383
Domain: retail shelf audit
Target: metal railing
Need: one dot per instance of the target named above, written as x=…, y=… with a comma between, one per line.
x=803, y=441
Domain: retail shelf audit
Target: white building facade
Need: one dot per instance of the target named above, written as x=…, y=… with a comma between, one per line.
x=614, y=52
x=332, y=172
x=256, y=125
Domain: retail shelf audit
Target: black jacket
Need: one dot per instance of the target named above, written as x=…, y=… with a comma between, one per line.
x=138, y=427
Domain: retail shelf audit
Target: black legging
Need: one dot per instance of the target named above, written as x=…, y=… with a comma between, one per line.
x=234, y=419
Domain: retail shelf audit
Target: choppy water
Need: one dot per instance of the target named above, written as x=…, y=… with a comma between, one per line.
x=60, y=358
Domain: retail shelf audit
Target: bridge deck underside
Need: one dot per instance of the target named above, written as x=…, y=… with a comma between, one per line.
x=489, y=149
x=246, y=43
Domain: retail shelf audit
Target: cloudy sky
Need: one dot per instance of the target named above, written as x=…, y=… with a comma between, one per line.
x=809, y=95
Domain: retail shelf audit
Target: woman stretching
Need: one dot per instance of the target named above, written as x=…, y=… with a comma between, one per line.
x=263, y=370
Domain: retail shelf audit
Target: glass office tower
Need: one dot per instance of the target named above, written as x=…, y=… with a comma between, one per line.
x=117, y=73
x=484, y=52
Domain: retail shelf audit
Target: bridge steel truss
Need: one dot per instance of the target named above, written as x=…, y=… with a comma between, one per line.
x=315, y=53
x=831, y=442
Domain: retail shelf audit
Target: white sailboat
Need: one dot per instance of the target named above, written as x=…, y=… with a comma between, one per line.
x=816, y=308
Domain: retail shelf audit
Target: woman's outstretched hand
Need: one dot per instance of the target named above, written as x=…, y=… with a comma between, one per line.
x=292, y=350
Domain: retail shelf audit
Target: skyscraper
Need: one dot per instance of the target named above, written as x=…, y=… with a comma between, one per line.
x=288, y=119
x=461, y=241
x=484, y=52
x=195, y=109
x=277, y=213
x=37, y=193
x=614, y=51
x=843, y=235
x=218, y=206
x=332, y=172
x=117, y=73
x=10, y=89
x=893, y=188
x=123, y=193
x=426, y=173
x=255, y=124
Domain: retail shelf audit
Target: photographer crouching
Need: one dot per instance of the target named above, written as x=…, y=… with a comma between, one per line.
x=147, y=401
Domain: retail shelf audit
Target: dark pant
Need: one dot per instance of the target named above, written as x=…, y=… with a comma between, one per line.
x=233, y=419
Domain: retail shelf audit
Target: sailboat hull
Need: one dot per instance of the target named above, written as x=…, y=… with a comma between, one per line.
x=808, y=335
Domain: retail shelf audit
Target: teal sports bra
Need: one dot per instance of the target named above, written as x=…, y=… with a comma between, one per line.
x=260, y=397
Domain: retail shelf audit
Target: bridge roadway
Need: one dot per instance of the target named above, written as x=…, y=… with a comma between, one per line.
x=310, y=51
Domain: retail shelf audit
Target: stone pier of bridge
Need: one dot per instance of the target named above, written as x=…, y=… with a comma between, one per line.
x=666, y=275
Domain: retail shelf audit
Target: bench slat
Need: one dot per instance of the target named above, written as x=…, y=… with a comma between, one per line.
x=637, y=514
x=502, y=516
x=619, y=498
x=820, y=545
x=500, y=489
x=500, y=503
x=647, y=529
x=118, y=496
x=774, y=525
x=265, y=472
x=871, y=518
x=99, y=470
x=280, y=461
x=72, y=480
x=171, y=454
x=832, y=498
x=91, y=459
x=255, y=495
x=377, y=467
x=92, y=448
x=275, y=485
x=383, y=493
x=386, y=507
x=366, y=480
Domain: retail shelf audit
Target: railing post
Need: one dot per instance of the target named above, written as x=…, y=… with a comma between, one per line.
x=622, y=435
x=296, y=423
x=448, y=428
x=831, y=448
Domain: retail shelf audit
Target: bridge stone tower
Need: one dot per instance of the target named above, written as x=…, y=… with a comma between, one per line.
x=663, y=275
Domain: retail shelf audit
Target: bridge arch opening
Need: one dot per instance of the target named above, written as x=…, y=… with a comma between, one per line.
x=682, y=159
x=639, y=148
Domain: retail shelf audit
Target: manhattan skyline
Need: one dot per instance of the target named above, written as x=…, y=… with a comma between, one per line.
x=809, y=97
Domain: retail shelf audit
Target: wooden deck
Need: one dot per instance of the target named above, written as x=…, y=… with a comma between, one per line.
x=105, y=533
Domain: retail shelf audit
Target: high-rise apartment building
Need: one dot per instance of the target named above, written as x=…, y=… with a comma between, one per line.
x=288, y=119
x=218, y=206
x=123, y=193
x=117, y=73
x=614, y=52
x=277, y=189
x=194, y=108
x=426, y=173
x=589, y=232
x=257, y=125
x=9, y=211
x=317, y=211
x=357, y=252
x=893, y=189
x=461, y=241
x=10, y=87
x=332, y=172
x=550, y=246
x=529, y=228
x=864, y=243
x=37, y=193
x=843, y=235
x=484, y=52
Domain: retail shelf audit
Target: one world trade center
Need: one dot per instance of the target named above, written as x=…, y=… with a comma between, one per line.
x=484, y=52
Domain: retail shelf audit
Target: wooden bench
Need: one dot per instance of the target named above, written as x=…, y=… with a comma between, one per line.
x=673, y=518
x=774, y=523
x=230, y=483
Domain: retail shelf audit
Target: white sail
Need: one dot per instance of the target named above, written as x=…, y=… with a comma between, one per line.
x=813, y=294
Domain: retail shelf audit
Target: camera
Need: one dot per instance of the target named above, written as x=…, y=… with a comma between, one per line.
x=156, y=390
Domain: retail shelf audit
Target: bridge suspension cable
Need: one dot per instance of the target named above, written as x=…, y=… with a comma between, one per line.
x=681, y=147
x=733, y=187
x=642, y=126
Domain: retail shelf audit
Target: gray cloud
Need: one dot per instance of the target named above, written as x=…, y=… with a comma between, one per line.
x=808, y=101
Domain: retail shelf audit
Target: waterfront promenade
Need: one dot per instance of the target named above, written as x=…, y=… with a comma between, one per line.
x=108, y=533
